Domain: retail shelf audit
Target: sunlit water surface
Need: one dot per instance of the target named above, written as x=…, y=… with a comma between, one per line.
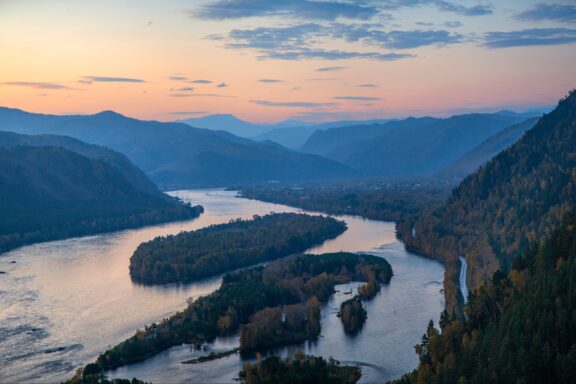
x=64, y=302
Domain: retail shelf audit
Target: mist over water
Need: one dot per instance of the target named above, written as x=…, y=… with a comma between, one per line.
x=64, y=302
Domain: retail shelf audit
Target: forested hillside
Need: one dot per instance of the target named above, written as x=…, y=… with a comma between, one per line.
x=518, y=328
x=516, y=199
x=116, y=160
x=51, y=193
x=471, y=161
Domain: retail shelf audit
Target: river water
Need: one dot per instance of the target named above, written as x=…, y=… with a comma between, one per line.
x=64, y=302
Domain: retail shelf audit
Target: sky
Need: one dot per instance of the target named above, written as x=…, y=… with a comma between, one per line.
x=270, y=60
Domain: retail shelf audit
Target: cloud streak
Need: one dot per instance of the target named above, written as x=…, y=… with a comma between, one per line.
x=301, y=9
x=550, y=12
x=302, y=41
x=37, y=85
x=395, y=39
x=108, y=79
x=292, y=104
x=530, y=37
x=270, y=81
x=441, y=5
x=331, y=69
x=357, y=98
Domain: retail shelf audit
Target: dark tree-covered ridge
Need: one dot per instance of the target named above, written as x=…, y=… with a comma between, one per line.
x=220, y=248
x=518, y=328
x=50, y=193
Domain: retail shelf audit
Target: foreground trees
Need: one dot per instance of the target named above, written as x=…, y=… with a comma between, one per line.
x=299, y=370
x=220, y=248
x=518, y=328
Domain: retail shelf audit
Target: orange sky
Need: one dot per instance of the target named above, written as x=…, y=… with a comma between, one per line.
x=54, y=56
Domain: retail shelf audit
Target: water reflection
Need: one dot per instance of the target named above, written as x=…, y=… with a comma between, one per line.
x=64, y=302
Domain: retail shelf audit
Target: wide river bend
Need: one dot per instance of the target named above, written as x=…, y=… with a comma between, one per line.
x=64, y=302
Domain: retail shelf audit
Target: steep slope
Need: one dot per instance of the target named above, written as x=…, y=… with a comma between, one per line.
x=51, y=193
x=411, y=147
x=518, y=329
x=177, y=155
x=492, y=146
x=119, y=162
x=517, y=198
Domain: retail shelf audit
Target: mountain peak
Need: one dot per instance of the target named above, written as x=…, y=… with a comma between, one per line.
x=108, y=114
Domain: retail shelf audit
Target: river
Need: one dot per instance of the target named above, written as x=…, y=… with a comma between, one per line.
x=64, y=302
x=462, y=280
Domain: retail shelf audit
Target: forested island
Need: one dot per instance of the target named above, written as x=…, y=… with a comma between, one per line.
x=518, y=328
x=372, y=200
x=51, y=193
x=221, y=248
x=300, y=369
x=353, y=315
x=290, y=286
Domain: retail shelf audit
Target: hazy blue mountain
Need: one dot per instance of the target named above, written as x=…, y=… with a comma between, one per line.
x=291, y=137
x=177, y=155
x=409, y=147
x=228, y=123
x=119, y=162
x=295, y=136
x=472, y=160
x=333, y=139
x=50, y=193
x=290, y=133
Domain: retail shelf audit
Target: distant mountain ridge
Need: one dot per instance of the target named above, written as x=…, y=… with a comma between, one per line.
x=288, y=133
x=409, y=147
x=228, y=123
x=295, y=136
x=176, y=155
